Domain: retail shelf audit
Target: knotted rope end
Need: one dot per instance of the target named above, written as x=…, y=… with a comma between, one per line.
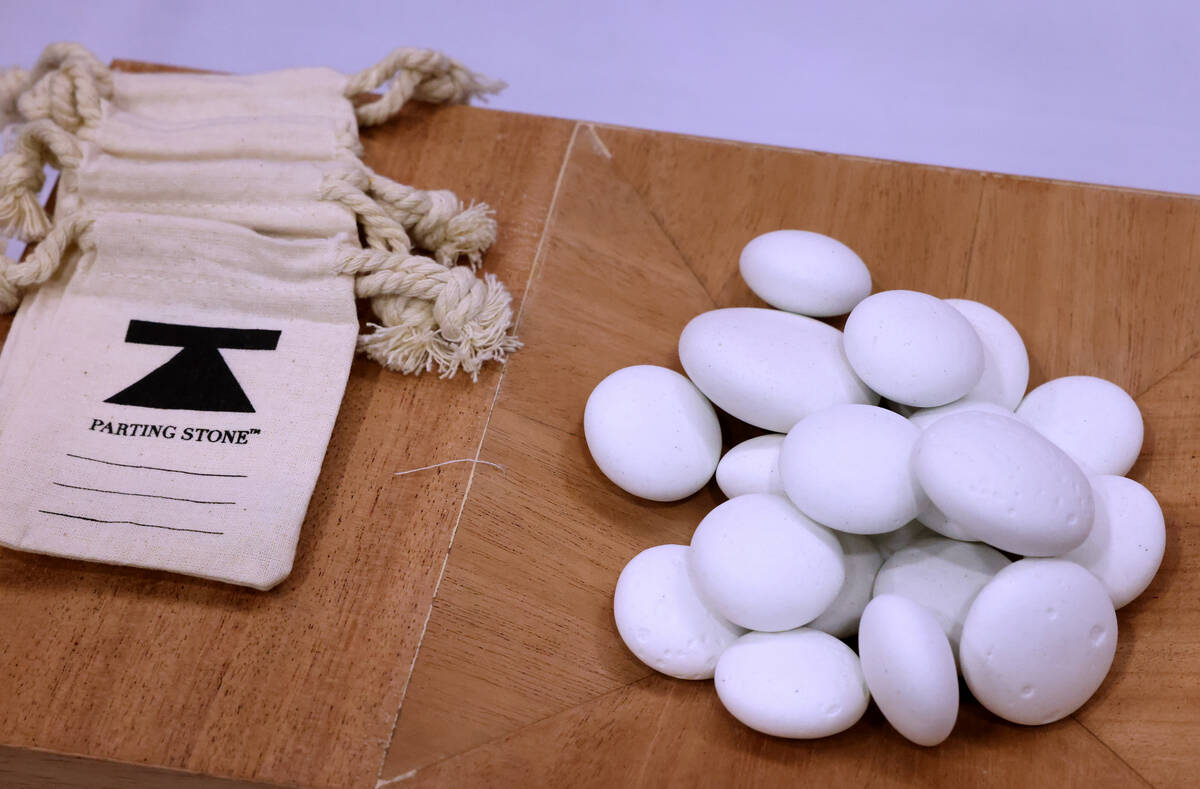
x=22, y=216
x=468, y=235
x=413, y=351
x=462, y=329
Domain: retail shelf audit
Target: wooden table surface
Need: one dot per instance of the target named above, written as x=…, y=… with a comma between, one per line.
x=453, y=627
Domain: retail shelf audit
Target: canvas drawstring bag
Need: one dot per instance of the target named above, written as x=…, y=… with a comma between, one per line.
x=197, y=145
x=203, y=265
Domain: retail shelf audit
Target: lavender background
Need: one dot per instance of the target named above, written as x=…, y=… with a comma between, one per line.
x=1099, y=91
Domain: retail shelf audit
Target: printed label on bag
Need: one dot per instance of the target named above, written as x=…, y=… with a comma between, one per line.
x=173, y=409
x=115, y=467
x=197, y=378
x=159, y=433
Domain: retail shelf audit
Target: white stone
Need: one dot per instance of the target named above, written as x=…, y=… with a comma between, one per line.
x=1004, y=483
x=652, y=433
x=913, y=348
x=1038, y=641
x=1005, y=360
x=804, y=272
x=848, y=467
x=751, y=467
x=663, y=620
x=764, y=565
x=1092, y=420
x=862, y=562
x=799, y=684
x=768, y=368
x=1128, y=538
x=943, y=575
x=909, y=668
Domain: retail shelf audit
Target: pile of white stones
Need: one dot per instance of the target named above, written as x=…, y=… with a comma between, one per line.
x=963, y=526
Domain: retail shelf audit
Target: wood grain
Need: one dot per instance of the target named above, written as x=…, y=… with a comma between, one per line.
x=25, y=768
x=1148, y=709
x=712, y=197
x=663, y=732
x=522, y=624
x=471, y=608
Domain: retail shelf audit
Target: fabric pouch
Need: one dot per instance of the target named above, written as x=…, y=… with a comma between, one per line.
x=252, y=150
x=179, y=410
x=276, y=153
x=187, y=319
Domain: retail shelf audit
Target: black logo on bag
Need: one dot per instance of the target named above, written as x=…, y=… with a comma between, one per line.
x=197, y=378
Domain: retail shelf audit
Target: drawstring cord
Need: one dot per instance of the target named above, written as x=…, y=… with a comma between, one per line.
x=421, y=74
x=40, y=264
x=22, y=176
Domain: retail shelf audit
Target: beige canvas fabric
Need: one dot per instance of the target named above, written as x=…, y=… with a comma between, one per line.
x=187, y=317
x=275, y=197
x=180, y=428
x=183, y=98
x=253, y=151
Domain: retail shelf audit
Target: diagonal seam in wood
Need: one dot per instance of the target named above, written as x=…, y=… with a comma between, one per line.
x=530, y=282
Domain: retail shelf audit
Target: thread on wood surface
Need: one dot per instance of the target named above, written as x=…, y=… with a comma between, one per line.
x=448, y=462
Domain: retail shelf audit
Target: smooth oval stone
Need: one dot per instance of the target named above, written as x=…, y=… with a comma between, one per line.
x=800, y=684
x=1128, y=538
x=909, y=668
x=804, y=272
x=662, y=618
x=1005, y=360
x=764, y=565
x=913, y=348
x=768, y=368
x=862, y=561
x=931, y=517
x=1038, y=641
x=751, y=467
x=943, y=575
x=1092, y=420
x=848, y=467
x=652, y=433
x=1004, y=483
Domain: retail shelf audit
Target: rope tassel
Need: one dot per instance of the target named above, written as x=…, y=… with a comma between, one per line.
x=429, y=315
x=437, y=221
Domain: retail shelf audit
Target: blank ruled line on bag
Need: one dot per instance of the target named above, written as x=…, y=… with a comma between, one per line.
x=142, y=495
x=154, y=468
x=130, y=523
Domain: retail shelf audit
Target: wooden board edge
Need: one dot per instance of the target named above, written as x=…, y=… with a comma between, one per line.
x=32, y=768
